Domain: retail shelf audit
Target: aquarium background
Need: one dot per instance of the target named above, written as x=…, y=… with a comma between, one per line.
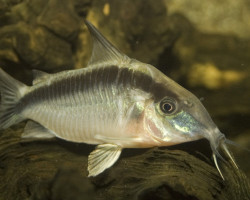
x=202, y=45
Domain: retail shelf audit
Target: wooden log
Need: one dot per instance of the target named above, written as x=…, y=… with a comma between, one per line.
x=55, y=169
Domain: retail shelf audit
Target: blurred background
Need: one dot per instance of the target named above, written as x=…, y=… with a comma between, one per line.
x=202, y=45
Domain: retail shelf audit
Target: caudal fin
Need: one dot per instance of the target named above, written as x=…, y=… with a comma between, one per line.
x=11, y=90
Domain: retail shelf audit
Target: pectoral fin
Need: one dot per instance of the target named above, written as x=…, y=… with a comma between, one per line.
x=103, y=157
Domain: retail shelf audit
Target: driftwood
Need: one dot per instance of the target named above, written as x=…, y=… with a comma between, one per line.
x=56, y=169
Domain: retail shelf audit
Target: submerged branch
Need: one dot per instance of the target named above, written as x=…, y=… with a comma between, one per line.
x=55, y=169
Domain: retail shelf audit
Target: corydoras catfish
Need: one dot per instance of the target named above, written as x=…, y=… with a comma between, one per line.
x=115, y=102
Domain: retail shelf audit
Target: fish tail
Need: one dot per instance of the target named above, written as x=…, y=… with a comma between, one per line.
x=11, y=91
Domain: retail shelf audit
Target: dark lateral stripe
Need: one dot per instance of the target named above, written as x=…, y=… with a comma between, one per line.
x=85, y=81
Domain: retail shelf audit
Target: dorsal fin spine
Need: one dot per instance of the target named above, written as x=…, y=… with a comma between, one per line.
x=103, y=51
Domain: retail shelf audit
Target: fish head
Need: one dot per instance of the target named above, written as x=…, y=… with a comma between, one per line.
x=178, y=116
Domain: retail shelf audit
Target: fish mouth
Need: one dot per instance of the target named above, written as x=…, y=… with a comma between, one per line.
x=221, y=139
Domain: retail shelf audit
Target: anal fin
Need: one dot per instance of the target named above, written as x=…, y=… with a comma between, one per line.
x=36, y=130
x=103, y=157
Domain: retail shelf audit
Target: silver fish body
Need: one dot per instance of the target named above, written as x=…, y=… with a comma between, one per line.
x=116, y=102
x=88, y=105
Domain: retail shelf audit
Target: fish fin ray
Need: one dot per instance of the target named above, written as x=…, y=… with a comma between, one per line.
x=36, y=130
x=39, y=76
x=11, y=91
x=103, y=51
x=103, y=157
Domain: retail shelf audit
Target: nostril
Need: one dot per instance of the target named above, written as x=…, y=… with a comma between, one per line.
x=188, y=103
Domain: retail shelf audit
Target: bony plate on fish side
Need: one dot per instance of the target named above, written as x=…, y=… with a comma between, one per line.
x=115, y=102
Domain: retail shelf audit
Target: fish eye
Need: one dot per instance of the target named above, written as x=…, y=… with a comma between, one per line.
x=167, y=106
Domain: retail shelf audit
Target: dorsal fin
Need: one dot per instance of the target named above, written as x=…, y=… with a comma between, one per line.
x=39, y=76
x=103, y=51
